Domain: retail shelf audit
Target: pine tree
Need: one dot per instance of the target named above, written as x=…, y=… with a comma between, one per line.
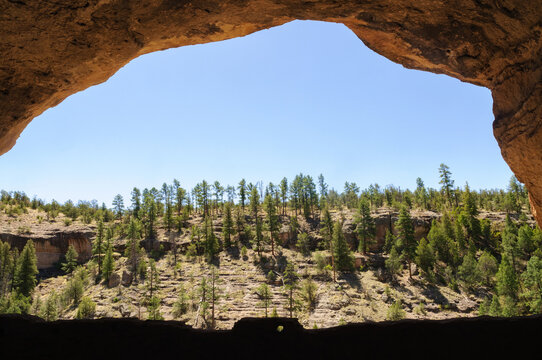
x=495, y=307
x=447, y=182
x=153, y=308
x=180, y=307
x=136, y=202
x=290, y=279
x=211, y=245
x=108, y=264
x=49, y=309
x=26, y=270
x=242, y=192
x=394, y=263
x=487, y=267
x=254, y=199
x=308, y=293
x=7, y=265
x=327, y=232
x=98, y=248
x=366, y=228
x=118, y=205
x=405, y=236
x=344, y=259
x=86, y=309
x=154, y=279
x=510, y=242
x=272, y=221
x=265, y=295
x=258, y=237
x=425, y=257
x=284, y=194
x=525, y=241
x=532, y=280
x=507, y=282
x=227, y=226
x=70, y=262
x=468, y=271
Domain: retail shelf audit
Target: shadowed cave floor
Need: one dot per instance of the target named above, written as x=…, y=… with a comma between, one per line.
x=26, y=337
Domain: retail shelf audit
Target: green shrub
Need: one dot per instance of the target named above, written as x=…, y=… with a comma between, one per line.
x=180, y=307
x=73, y=291
x=271, y=276
x=86, y=309
x=320, y=261
x=395, y=311
x=49, y=309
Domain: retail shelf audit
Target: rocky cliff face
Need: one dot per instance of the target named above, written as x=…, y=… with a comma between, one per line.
x=385, y=221
x=51, y=50
x=52, y=245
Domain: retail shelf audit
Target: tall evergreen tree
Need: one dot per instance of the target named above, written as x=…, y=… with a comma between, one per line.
x=284, y=194
x=265, y=295
x=211, y=244
x=7, y=265
x=118, y=205
x=70, y=262
x=109, y=263
x=365, y=228
x=447, y=182
x=405, y=237
x=290, y=279
x=27, y=270
x=242, y=192
x=272, y=221
x=136, y=202
x=507, y=281
x=254, y=199
x=99, y=245
x=344, y=259
x=425, y=257
x=227, y=226
x=327, y=232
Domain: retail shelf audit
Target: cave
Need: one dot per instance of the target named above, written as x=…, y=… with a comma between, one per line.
x=51, y=50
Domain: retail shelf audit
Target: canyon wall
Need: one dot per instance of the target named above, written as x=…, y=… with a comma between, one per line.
x=51, y=247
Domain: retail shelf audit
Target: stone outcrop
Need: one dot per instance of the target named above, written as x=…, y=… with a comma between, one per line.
x=385, y=221
x=51, y=245
x=51, y=50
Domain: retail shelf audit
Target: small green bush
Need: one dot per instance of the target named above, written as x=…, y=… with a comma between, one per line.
x=86, y=309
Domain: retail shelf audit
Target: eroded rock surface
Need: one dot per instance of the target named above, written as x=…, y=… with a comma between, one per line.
x=51, y=239
x=50, y=50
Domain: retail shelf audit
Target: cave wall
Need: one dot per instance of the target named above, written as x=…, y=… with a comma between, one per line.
x=50, y=50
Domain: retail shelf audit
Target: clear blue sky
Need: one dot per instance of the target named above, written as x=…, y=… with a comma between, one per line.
x=303, y=97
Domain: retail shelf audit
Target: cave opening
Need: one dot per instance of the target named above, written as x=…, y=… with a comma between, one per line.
x=305, y=97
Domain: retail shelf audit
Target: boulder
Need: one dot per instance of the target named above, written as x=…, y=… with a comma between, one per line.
x=126, y=278
x=114, y=280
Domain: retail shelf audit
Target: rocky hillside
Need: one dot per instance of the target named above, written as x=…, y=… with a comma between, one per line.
x=363, y=295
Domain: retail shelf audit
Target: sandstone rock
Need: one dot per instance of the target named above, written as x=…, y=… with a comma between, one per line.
x=466, y=305
x=51, y=244
x=432, y=307
x=114, y=280
x=126, y=278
